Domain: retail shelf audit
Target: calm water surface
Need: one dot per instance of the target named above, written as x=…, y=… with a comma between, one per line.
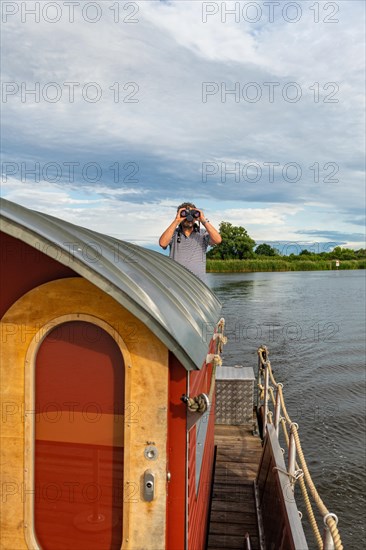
x=313, y=324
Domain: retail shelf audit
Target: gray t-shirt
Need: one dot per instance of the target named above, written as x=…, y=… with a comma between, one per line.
x=191, y=251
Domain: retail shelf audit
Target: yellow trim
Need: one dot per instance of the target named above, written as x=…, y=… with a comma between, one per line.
x=30, y=417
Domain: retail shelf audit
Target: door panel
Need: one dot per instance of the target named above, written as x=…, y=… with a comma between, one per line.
x=79, y=396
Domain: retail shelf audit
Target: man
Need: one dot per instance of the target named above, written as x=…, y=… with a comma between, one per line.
x=188, y=243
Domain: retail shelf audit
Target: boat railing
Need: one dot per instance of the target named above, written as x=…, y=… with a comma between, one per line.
x=272, y=409
x=279, y=523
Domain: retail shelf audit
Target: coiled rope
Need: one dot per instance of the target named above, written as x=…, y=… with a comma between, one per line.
x=305, y=481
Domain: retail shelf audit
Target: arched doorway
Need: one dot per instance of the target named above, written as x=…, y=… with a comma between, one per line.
x=78, y=464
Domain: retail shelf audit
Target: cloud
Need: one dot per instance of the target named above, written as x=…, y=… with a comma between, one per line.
x=269, y=216
x=160, y=98
x=333, y=235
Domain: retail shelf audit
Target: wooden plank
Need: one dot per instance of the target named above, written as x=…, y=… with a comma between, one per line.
x=231, y=542
x=233, y=511
x=228, y=442
x=236, y=478
x=220, y=520
x=232, y=529
x=225, y=491
x=219, y=506
x=253, y=540
x=232, y=453
x=243, y=471
x=236, y=496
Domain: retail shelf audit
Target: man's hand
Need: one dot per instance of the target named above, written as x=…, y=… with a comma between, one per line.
x=180, y=218
x=215, y=237
x=202, y=216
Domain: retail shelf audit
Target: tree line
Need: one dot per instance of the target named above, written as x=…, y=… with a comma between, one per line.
x=238, y=245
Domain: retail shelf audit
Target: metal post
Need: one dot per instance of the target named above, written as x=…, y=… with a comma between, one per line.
x=328, y=543
x=259, y=381
x=266, y=383
x=292, y=458
x=277, y=412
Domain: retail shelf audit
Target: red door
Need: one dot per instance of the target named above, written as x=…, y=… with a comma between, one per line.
x=79, y=396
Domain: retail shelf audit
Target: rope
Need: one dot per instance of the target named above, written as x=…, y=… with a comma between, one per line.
x=261, y=388
x=222, y=340
x=310, y=513
x=213, y=376
x=330, y=521
x=308, y=506
x=198, y=404
x=305, y=480
x=297, y=475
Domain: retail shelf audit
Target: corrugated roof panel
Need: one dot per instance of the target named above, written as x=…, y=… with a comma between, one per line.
x=177, y=306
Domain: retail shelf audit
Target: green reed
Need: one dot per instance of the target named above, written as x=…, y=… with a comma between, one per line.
x=283, y=264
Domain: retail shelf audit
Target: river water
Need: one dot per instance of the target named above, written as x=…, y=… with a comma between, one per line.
x=313, y=324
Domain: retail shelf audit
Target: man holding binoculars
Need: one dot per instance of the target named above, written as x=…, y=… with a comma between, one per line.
x=187, y=241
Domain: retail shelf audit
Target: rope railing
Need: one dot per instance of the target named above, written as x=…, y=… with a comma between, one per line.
x=273, y=396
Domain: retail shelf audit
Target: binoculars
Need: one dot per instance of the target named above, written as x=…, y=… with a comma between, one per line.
x=190, y=215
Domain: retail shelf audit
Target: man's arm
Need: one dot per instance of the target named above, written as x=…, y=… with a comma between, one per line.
x=166, y=237
x=215, y=237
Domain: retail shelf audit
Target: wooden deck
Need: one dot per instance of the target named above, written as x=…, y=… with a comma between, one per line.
x=233, y=506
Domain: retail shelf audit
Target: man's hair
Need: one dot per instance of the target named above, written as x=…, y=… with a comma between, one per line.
x=186, y=205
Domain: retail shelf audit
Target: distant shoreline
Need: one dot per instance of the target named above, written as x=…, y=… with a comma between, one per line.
x=268, y=265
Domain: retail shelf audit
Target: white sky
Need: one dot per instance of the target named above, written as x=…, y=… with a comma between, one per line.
x=146, y=123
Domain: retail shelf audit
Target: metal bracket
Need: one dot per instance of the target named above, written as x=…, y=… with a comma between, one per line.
x=149, y=486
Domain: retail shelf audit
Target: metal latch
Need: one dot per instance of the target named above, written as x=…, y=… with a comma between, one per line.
x=149, y=486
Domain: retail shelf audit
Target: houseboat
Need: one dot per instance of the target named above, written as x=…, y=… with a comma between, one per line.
x=110, y=373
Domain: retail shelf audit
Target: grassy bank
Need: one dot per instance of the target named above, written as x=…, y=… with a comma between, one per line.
x=279, y=264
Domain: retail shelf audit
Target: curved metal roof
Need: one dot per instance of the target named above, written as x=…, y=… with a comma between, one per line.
x=177, y=306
